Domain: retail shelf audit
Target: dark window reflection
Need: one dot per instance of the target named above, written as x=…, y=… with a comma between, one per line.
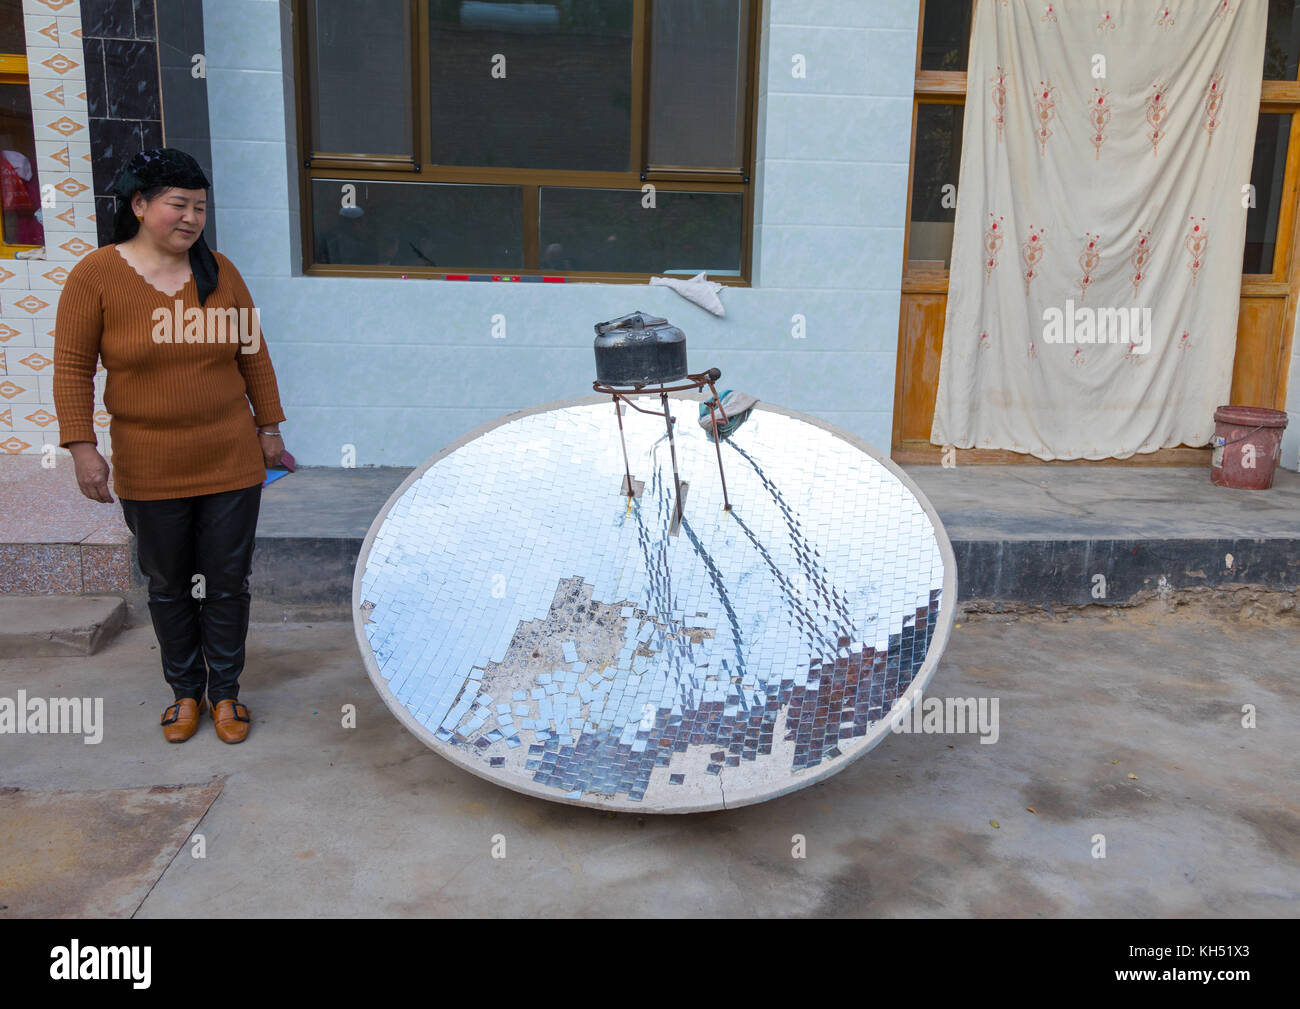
x=531, y=84
x=608, y=230
x=12, y=37
x=945, y=36
x=1282, y=42
x=417, y=224
x=1266, y=175
x=698, y=72
x=938, y=157
x=361, y=76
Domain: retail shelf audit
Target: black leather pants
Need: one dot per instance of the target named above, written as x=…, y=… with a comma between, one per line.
x=196, y=619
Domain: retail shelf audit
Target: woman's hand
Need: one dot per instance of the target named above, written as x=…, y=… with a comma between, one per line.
x=272, y=447
x=92, y=471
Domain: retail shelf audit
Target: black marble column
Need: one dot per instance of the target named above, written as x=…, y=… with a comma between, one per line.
x=140, y=91
x=119, y=39
x=184, y=96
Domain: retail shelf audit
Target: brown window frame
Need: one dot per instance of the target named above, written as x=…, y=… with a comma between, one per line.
x=364, y=167
x=13, y=70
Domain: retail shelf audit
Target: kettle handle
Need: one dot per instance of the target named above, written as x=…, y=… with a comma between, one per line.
x=633, y=320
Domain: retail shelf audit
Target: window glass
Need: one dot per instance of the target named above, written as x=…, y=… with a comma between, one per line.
x=20, y=190
x=610, y=231
x=945, y=35
x=1272, y=137
x=1282, y=41
x=938, y=158
x=531, y=84
x=361, y=76
x=417, y=224
x=697, y=83
x=12, y=39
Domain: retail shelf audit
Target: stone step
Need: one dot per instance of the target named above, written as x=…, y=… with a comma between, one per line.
x=1043, y=535
x=58, y=624
x=1021, y=534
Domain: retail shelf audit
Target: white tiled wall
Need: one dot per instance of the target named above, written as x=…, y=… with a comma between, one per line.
x=397, y=369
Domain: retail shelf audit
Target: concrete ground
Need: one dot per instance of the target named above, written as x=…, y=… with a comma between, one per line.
x=1125, y=725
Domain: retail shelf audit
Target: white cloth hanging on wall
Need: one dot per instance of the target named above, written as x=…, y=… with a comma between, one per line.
x=1097, y=250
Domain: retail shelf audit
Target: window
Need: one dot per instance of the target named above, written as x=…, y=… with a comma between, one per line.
x=1273, y=138
x=21, y=231
x=590, y=139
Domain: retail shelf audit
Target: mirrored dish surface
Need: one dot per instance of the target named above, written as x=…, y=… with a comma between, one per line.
x=526, y=621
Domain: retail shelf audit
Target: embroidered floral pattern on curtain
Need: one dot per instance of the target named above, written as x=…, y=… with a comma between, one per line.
x=1096, y=266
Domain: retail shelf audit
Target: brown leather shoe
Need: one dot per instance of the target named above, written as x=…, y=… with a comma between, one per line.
x=180, y=720
x=232, y=721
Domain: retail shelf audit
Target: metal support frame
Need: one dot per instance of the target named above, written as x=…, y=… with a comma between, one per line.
x=694, y=382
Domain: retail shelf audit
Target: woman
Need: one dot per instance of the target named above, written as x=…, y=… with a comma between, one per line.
x=189, y=457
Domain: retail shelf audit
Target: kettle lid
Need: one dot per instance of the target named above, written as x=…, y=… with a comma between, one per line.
x=633, y=320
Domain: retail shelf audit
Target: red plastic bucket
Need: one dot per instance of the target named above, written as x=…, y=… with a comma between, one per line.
x=1247, y=444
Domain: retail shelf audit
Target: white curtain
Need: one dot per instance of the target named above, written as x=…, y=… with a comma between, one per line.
x=1101, y=215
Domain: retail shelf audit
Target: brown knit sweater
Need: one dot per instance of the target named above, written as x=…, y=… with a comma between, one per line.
x=181, y=420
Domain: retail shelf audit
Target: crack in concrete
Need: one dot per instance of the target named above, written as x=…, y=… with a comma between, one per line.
x=1073, y=508
x=219, y=780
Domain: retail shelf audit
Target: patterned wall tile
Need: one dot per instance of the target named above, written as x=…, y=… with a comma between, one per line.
x=47, y=99
x=26, y=305
x=41, y=419
x=62, y=7
x=53, y=97
x=34, y=362
x=55, y=63
x=69, y=217
x=17, y=332
x=19, y=390
x=44, y=27
x=71, y=187
x=70, y=249
x=60, y=221
x=13, y=274
x=14, y=445
x=75, y=99
x=47, y=276
x=78, y=148
x=57, y=32
x=56, y=123
x=53, y=155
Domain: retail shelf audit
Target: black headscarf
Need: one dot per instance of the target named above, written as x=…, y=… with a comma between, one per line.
x=164, y=166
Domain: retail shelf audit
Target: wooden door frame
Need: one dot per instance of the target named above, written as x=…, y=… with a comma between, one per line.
x=951, y=87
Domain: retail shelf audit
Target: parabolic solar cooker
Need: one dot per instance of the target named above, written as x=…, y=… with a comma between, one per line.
x=694, y=607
